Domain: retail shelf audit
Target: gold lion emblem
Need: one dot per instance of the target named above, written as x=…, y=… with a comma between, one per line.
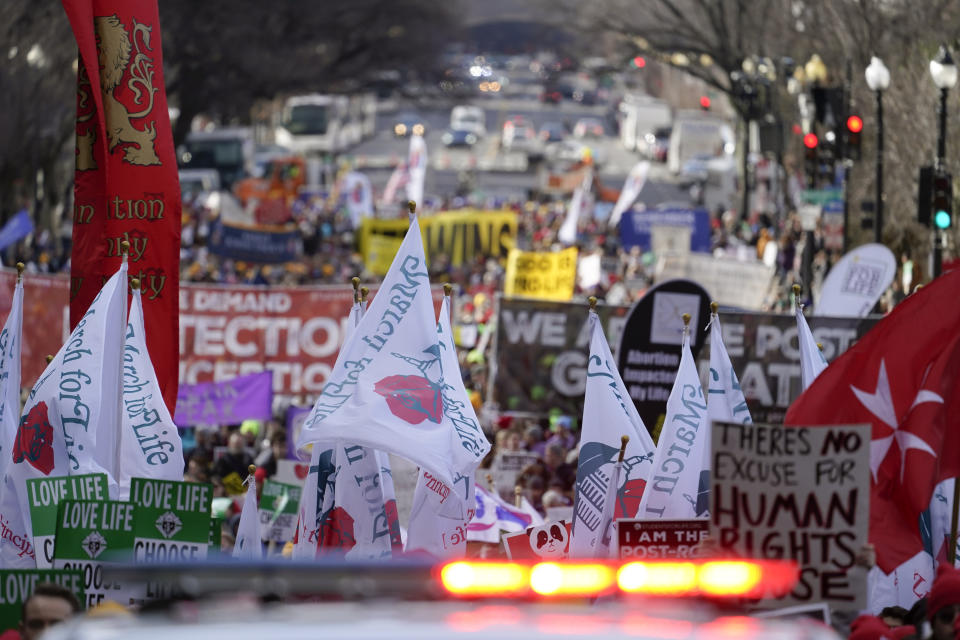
x=114, y=49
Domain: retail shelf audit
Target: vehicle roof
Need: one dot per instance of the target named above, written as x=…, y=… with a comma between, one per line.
x=314, y=99
x=224, y=133
x=240, y=619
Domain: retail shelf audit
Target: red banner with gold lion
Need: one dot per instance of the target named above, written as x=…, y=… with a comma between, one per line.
x=126, y=176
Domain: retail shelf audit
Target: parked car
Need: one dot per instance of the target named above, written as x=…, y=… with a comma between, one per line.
x=588, y=128
x=459, y=138
x=552, y=132
x=408, y=123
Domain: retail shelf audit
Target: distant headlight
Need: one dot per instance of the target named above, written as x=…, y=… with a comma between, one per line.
x=471, y=139
x=447, y=138
x=400, y=129
x=418, y=129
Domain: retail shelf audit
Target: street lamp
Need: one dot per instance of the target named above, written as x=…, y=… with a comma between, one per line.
x=944, y=73
x=878, y=79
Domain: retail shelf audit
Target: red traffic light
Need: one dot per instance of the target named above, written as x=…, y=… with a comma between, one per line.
x=639, y=62
x=704, y=102
x=810, y=141
x=854, y=124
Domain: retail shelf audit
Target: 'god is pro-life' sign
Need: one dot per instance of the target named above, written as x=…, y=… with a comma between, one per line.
x=45, y=494
x=800, y=493
x=171, y=520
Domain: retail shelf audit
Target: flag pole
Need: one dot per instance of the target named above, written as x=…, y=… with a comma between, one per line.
x=20, y=268
x=796, y=296
x=517, y=496
x=356, y=289
x=49, y=358
x=624, y=439
x=952, y=551
x=493, y=485
x=447, y=290
x=364, y=292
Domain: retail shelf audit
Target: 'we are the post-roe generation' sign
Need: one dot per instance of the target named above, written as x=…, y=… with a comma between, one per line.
x=44, y=496
x=800, y=493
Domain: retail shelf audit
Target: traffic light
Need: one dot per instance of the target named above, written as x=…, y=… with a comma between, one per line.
x=639, y=62
x=851, y=144
x=705, y=103
x=942, y=200
x=924, y=195
x=810, y=141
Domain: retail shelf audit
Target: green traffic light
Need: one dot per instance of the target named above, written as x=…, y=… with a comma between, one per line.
x=942, y=219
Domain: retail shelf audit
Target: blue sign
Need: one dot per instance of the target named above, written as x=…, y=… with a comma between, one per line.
x=253, y=244
x=635, y=226
x=17, y=227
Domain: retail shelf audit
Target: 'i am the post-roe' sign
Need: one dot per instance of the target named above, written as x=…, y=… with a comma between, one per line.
x=800, y=493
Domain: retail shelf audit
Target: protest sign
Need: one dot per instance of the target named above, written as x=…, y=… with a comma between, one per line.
x=543, y=275
x=44, y=496
x=636, y=227
x=91, y=534
x=17, y=585
x=380, y=251
x=550, y=541
x=248, y=397
x=505, y=468
x=171, y=520
x=279, y=504
x=799, y=493
x=461, y=236
x=256, y=244
x=856, y=282
x=648, y=354
x=731, y=282
x=540, y=355
x=660, y=539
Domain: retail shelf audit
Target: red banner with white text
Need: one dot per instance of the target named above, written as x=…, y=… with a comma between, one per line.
x=126, y=186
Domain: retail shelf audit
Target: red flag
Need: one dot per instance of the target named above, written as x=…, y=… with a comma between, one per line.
x=903, y=377
x=126, y=186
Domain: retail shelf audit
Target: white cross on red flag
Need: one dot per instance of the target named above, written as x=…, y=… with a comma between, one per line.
x=903, y=378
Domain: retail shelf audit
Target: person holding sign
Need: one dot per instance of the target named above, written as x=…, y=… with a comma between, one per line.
x=49, y=604
x=943, y=603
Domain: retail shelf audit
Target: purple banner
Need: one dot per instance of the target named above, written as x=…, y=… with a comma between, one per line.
x=247, y=397
x=295, y=417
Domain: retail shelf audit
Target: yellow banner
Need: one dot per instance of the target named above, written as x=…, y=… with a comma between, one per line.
x=380, y=253
x=461, y=236
x=547, y=276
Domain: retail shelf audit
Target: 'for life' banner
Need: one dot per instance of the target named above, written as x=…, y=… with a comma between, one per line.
x=800, y=493
x=126, y=184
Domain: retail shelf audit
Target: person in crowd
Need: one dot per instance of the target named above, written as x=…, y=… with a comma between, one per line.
x=533, y=439
x=267, y=459
x=557, y=466
x=236, y=460
x=49, y=604
x=943, y=602
x=894, y=616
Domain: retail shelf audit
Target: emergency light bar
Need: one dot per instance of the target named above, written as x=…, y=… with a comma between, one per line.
x=712, y=578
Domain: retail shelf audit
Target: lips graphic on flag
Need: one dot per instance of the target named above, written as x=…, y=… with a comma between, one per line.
x=413, y=399
x=34, y=441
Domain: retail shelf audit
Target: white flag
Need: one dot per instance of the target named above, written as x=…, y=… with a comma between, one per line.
x=16, y=548
x=417, y=168
x=725, y=401
x=359, y=197
x=247, y=545
x=441, y=512
x=150, y=445
x=676, y=481
x=399, y=178
x=71, y=421
x=493, y=515
x=812, y=361
x=608, y=414
x=568, y=231
x=631, y=189
x=388, y=390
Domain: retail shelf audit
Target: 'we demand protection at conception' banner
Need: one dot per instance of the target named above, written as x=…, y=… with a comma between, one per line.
x=296, y=332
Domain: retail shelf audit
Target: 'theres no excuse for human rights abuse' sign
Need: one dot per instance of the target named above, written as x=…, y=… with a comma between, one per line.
x=799, y=493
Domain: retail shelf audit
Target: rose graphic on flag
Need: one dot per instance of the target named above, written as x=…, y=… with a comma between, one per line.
x=903, y=378
x=415, y=398
x=34, y=441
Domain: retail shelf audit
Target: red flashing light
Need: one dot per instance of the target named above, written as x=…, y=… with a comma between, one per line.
x=854, y=124
x=810, y=141
x=704, y=102
x=639, y=62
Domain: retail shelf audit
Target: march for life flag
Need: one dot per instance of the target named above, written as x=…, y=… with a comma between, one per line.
x=416, y=168
x=70, y=423
x=441, y=512
x=903, y=378
x=725, y=401
x=126, y=184
x=388, y=390
x=358, y=196
x=248, y=545
x=608, y=414
x=150, y=445
x=568, y=230
x=493, y=515
x=16, y=549
x=812, y=362
x=678, y=484
x=631, y=189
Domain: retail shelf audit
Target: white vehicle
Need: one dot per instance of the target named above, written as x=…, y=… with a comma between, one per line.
x=468, y=118
x=641, y=115
x=325, y=123
x=698, y=135
x=229, y=151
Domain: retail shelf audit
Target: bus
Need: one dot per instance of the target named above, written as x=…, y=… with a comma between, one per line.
x=698, y=136
x=323, y=123
x=639, y=116
x=229, y=151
